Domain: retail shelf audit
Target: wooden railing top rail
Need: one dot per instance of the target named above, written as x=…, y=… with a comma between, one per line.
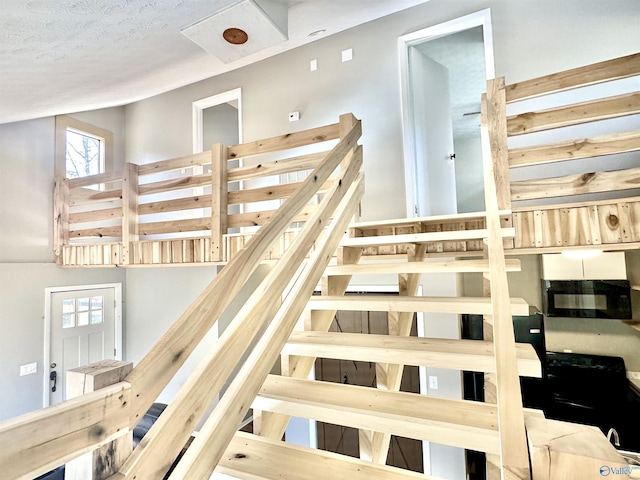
x=608, y=70
x=282, y=142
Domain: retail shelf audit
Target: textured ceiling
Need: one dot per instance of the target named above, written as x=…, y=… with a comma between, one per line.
x=61, y=56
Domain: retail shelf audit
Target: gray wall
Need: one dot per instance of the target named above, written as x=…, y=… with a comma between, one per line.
x=26, y=249
x=22, y=323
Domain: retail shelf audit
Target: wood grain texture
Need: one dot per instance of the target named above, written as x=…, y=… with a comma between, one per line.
x=277, y=167
x=494, y=133
x=382, y=303
x=193, y=160
x=458, y=423
x=591, y=182
x=155, y=370
x=60, y=217
x=576, y=149
x=36, y=442
x=614, y=69
x=219, y=200
x=472, y=355
x=283, y=142
x=576, y=114
x=453, y=266
x=420, y=237
x=250, y=457
x=213, y=438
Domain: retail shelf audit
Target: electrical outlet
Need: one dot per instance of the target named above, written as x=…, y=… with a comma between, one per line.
x=28, y=369
x=313, y=65
x=294, y=116
x=433, y=382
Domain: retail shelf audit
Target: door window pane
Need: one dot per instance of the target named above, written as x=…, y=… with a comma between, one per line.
x=83, y=318
x=68, y=305
x=83, y=304
x=68, y=320
x=96, y=316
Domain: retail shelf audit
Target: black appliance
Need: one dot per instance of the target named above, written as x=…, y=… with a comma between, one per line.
x=527, y=329
x=594, y=390
x=587, y=298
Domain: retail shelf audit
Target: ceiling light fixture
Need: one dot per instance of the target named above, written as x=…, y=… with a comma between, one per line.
x=235, y=36
x=317, y=32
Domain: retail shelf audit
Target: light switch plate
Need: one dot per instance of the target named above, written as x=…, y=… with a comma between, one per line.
x=28, y=369
x=347, y=55
x=433, y=382
x=313, y=65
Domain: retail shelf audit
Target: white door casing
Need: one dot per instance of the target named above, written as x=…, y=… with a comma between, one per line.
x=405, y=42
x=83, y=324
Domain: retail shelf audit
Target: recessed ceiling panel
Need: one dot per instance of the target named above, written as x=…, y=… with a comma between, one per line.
x=248, y=16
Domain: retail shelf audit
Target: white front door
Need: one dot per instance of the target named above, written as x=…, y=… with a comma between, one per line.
x=84, y=328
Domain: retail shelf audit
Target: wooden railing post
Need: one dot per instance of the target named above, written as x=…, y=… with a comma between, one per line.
x=106, y=460
x=219, y=200
x=61, y=217
x=130, y=225
x=496, y=118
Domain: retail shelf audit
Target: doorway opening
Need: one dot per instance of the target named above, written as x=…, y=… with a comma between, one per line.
x=218, y=119
x=443, y=71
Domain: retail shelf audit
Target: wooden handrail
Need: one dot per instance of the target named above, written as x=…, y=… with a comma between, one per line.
x=164, y=440
x=155, y=370
x=608, y=70
x=51, y=436
x=207, y=449
x=36, y=442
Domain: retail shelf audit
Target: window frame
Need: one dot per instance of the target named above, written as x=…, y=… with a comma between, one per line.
x=66, y=122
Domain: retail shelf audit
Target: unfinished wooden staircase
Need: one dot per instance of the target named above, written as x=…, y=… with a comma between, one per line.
x=378, y=413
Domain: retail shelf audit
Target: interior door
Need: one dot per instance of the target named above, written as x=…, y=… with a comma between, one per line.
x=83, y=331
x=435, y=179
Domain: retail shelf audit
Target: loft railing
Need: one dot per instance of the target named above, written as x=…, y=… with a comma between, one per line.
x=546, y=164
x=38, y=441
x=113, y=218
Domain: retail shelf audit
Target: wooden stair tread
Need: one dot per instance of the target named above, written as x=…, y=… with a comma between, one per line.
x=390, y=303
x=250, y=457
x=403, y=222
x=458, y=423
x=453, y=235
x=453, y=266
x=472, y=355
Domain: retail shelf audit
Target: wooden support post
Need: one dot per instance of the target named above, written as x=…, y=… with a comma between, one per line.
x=514, y=454
x=60, y=217
x=129, y=211
x=219, y=201
x=496, y=123
x=106, y=460
x=374, y=446
x=346, y=123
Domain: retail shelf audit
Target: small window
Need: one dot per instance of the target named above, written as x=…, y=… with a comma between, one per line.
x=82, y=149
x=80, y=312
x=85, y=154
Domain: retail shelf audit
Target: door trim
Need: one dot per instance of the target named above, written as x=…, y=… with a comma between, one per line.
x=477, y=19
x=48, y=292
x=199, y=105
